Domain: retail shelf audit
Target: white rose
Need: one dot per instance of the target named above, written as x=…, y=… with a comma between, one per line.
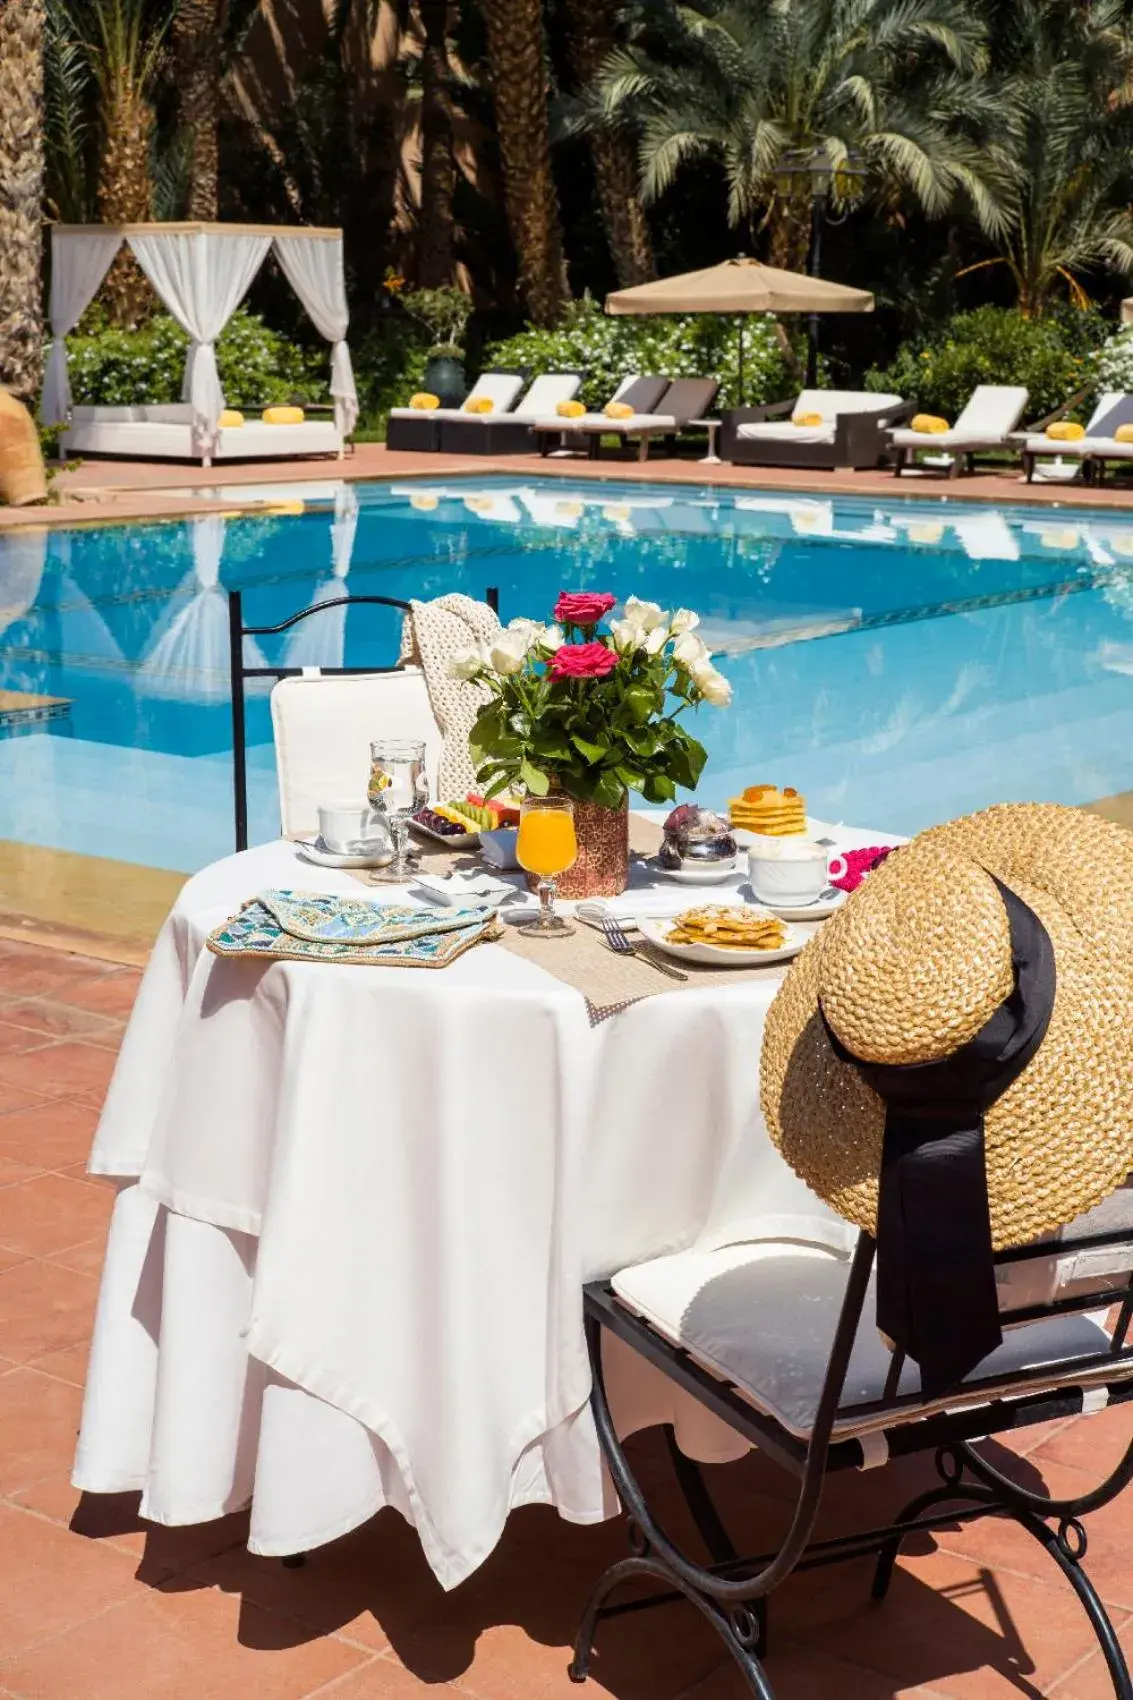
x=550, y=638
x=507, y=652
x=690, y=651
x=656, y=640
x=627, y=635
x=712, y=685
x=647, y=614
x=528, y=630
x=684, y=620
x=467, y=663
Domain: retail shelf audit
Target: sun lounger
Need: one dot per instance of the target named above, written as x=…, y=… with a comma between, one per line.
x=987, y=421
x=1114, y=408
x=507, y=433
x=850, y=432
x=685, y=399
x=167, y=432
x=416, y=428
x=642, y=394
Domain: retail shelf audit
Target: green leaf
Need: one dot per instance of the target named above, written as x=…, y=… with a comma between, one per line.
x=608, y=790
x=589, y=749
x=534, y=779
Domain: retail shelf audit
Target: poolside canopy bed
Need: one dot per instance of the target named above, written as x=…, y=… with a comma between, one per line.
x=201, y=273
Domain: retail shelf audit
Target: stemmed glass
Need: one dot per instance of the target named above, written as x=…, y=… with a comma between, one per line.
x=547, y=847
x=399, y=786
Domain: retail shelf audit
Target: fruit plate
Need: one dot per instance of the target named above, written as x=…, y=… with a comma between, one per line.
x=656, y=931
x=450, y=840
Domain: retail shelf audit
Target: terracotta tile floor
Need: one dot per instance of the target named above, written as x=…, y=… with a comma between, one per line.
x=96, y=1606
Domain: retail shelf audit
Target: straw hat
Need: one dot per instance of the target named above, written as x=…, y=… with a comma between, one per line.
x=911, y=969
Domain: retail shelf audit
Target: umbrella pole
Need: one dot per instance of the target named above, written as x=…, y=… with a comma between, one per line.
x=740, y=379
x=815, y=260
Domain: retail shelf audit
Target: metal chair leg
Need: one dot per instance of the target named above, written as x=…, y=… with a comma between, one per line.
x=700, y=1502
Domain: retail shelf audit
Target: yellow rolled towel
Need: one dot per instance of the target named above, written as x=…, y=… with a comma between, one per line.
x=570, y=410
x=808, y=419
x=1123, y=434
x=230, y=419
x=928, y=425
x=617, y=410
x=424, y=402
x=1065, y=431
x=283, y=416
x=479, y=404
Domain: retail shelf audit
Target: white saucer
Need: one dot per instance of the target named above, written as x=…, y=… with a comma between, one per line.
x=709, y=873
x=317, y=852
x=713, y=956
x=802, y=911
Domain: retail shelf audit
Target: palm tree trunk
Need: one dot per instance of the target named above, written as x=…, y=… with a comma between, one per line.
x=438, y=166
x=125, y=196
x=517, y=66
x=592, y=40
x=197, y=27
x=22, y=30
x=791, y=223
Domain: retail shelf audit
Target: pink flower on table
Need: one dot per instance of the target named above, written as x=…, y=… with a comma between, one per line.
x=583, y=607
x=583, y=661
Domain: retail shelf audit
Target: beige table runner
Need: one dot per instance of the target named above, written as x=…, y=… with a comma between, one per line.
x=609, y=982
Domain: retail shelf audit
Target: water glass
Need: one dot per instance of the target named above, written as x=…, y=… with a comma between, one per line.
x=547, y=847
x=399, y=786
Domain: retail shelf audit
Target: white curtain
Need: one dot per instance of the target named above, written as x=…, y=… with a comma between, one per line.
x=78, y=265
x=202, y=279
x=188, y=660
x=321, y=640
x=313, y=267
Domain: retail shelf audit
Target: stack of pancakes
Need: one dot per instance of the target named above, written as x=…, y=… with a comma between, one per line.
x=766, y=809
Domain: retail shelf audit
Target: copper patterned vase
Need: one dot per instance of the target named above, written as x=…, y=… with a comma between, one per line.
x=602, y=869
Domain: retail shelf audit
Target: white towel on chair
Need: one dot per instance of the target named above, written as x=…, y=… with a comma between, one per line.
x=432, y=634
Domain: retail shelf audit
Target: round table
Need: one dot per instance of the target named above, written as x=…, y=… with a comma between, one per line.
x=356, y=1210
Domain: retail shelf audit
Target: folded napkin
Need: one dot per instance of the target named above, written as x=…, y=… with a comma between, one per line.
x=300, y=926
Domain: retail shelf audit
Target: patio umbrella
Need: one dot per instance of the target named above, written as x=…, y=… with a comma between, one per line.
x=321, y=640
x=740, y=286
x=188, y=660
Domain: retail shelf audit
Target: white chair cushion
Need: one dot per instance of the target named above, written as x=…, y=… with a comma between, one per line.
x=992, y=411
x=323, y=728
x=98, y=415
x=1101, y=1268
x=500, y=388
x=830, y=403
x=1044, y=445
x=635, y=422
x=762, y=1317
x=777, y=431
x=546, y=393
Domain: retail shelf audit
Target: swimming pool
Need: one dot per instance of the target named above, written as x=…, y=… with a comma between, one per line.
x=899, y=661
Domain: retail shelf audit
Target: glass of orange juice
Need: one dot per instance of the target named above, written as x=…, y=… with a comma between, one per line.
x=547, y=847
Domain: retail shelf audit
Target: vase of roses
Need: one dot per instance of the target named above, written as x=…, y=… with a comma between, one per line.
x=593, y=708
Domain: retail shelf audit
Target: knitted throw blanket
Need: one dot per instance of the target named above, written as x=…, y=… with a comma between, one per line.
x=431, y=636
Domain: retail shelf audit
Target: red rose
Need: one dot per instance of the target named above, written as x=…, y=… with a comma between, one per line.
x=582, y=661
x=583, y=607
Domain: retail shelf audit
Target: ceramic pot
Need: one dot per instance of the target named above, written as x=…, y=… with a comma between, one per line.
x=444, y=378
x=602, y=869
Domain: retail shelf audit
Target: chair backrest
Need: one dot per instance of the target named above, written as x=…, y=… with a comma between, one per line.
x=642, y=394
x=688, y=398
x=500, y=388
x=323, y=726
x=993, y=409
x=1114, y=408
x=546, y=393
x=828, y=404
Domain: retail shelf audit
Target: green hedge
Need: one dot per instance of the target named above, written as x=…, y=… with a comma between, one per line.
x=257, y=366
x=1054, y=357
x=693, y=345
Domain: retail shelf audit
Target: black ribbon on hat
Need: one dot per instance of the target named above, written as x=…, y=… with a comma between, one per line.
x=936, y=1292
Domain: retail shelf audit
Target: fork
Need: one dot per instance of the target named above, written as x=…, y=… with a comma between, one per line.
x=616, y=939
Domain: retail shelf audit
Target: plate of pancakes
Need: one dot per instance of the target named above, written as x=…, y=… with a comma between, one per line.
x=724, y=935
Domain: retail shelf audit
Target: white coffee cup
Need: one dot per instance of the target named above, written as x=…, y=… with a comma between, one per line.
x=787, y=870
x=347, y=826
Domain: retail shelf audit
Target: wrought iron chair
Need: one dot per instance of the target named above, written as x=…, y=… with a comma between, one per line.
x=240, y=672
x=737, y=1342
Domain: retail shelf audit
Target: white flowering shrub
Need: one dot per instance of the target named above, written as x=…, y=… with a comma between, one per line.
x=692, y=345
x=1115, y=361
x=258, y=366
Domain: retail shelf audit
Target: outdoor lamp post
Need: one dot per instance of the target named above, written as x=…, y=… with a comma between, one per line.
x=825, y=177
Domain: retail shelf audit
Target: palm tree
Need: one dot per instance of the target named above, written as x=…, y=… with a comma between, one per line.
x=592, y=40
x=198, y=31
x=518, y=71
x=884, y=97
x=1068, y=100
x=438, y=165
x=126, y=50
x=22, y=33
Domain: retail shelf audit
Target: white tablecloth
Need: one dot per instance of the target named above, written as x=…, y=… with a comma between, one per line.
x=356, y=1213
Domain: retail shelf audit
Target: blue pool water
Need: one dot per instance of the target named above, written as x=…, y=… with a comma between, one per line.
x=899, y=661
